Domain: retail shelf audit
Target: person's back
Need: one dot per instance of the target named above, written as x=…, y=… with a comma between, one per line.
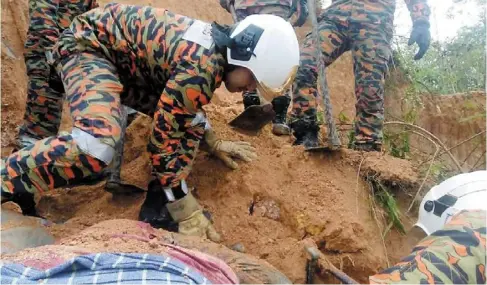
x=454, y=254
x=142, y=42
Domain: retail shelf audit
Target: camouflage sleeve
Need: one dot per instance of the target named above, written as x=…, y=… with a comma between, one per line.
x=178, y=124
x=418, y=9
x=453, y=255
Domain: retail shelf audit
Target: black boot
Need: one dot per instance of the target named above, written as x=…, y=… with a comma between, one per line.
x=250, y=99
x=306, y=133
x=25, y=200
x=154, y=210
x=280, y=105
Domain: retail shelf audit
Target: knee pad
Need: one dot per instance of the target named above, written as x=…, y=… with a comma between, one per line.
x=93, y=146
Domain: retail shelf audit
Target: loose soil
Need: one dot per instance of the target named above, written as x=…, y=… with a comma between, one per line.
x=268, y=205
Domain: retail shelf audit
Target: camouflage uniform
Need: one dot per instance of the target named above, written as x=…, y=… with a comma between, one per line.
x=365, y=28
x=48, y=19
x=453, y=255
x=280, y=8
x=103, y=50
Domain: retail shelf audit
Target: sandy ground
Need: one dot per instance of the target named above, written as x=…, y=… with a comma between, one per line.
x=268, y=205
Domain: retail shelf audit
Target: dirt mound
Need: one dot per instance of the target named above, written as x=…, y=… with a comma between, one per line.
x=268, y=205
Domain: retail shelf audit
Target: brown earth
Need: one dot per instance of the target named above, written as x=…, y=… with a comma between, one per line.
x=458, y=120
x=293, y=194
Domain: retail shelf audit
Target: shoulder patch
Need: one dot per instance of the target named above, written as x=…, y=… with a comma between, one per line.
x=200, y=33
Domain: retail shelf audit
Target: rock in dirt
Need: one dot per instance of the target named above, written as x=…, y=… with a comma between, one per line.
x=239, y=247
x=268, y=208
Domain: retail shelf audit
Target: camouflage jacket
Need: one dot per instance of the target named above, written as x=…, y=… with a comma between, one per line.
x=173, y=55
x=453, y=255
x=147, y=44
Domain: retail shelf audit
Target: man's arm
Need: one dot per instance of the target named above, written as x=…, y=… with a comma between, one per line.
x=176, y=128
x=420, y=14
x=419, y=10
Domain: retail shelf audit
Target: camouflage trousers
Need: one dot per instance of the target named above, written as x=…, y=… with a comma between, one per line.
x=43, y=110
x=45, y=91
x=453, y=255
x=277, y=10
x=95, y=93
x=344, y=27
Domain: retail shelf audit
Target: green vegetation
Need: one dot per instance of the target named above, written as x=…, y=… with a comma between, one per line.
x=454, y=66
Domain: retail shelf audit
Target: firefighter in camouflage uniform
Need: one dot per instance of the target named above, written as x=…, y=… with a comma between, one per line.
x=453, y=215
x=183, y=61
x=284, y=9
x=365, y=28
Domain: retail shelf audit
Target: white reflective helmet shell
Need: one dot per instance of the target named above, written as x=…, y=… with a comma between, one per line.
x=466, y=191
x=276, y=54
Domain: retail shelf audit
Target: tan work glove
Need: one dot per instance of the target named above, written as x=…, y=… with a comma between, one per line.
x=225, y=150
x=190, y=218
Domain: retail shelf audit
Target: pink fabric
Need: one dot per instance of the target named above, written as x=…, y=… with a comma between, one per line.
x=214, y=269
x=49, y=260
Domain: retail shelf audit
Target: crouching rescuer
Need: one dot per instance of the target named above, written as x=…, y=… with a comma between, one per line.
x=183, y=60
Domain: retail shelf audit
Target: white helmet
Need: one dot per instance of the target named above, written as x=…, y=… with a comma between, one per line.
x=267, y=45
x=466, y=191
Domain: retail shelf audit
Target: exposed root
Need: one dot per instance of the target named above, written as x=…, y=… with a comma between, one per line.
x=357, y=182
x=457, y=145
x=478, y=161
x=426, y=175
x=432, y=137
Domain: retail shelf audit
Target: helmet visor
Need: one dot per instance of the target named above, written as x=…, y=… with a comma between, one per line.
x=269, y=93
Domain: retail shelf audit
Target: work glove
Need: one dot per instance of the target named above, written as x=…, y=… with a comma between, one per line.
x=226, y=4
x=225, y=150
x=300, y=7
x=190, y=218
x=420, y=35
